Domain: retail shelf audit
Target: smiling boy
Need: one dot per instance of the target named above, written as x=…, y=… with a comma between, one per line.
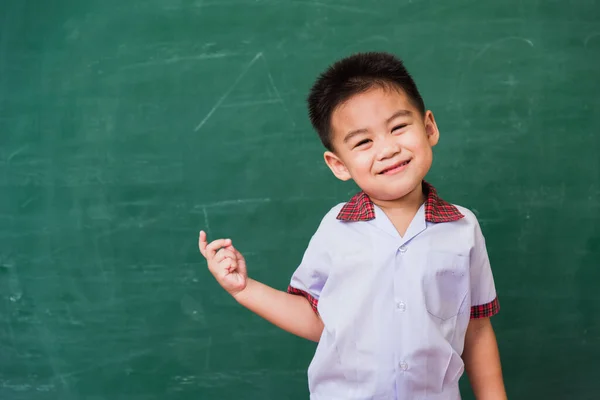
x=395, y=285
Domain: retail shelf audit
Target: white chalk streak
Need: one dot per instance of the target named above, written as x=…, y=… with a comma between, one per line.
x=277, y=92
x=177, y=59
x=206, y=224
x=237, y=202
x=228, y=92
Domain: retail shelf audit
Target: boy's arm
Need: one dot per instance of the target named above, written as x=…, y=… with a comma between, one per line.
x=289, y=312
x=481, y=355
x=482, y=361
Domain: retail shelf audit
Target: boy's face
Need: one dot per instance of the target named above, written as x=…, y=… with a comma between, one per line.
x=382, y=142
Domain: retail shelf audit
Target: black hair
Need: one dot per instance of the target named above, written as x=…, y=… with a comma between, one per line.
x=353, y=75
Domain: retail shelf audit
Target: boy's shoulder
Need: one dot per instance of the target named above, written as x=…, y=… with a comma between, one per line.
x=332, y=216
x=468, y=215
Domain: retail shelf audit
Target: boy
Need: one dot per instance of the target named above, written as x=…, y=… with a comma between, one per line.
x=395, y=285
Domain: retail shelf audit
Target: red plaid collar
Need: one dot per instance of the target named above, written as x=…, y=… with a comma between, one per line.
x=361, y=208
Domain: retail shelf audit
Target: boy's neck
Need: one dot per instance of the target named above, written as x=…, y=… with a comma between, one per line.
x=402, y=211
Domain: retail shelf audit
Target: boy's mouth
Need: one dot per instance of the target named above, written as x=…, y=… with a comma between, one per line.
x=393, y=169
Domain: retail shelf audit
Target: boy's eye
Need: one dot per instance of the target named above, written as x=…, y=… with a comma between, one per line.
x=397, y=127
x=364, y=141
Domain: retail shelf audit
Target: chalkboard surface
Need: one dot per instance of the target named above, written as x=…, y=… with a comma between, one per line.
x=128, y=126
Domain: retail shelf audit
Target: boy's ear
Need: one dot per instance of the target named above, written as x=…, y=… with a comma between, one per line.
x=431, y=129
x=336, y=166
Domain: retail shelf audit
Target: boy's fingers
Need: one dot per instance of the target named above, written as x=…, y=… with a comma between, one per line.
x=202, y=243
x=214, y=246
x=223, y=254
x=237, y=253
x=228, y=266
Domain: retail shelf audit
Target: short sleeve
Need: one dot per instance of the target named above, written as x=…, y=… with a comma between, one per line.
x=310, y=276
x=484, y=300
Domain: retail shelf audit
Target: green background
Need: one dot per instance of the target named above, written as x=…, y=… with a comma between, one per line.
x=128, y=126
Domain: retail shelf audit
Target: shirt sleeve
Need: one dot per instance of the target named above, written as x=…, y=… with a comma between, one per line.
x=484, y=300
x=310, y=276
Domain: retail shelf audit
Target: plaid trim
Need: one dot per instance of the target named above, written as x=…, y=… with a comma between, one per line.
x=485, y=310
x=361, y=208
x=438, y=210
x=314, y=302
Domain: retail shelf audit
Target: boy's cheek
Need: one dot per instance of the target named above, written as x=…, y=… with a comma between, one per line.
x=359, y=165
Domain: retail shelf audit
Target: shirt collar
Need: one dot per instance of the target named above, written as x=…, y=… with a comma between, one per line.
x=361, y=208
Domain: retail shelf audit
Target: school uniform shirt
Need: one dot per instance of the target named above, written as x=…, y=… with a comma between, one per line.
x=395, y=308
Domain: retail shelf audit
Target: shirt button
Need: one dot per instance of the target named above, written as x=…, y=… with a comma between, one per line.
x=401, y=306
x=403, y=249
x=403, y=366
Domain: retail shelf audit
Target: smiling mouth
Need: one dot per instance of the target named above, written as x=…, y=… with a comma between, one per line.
x=395, y=168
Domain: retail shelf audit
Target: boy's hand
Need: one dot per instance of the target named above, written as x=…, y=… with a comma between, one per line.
x=225, y=263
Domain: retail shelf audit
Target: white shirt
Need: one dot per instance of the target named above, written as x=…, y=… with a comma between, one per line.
x=395, y=308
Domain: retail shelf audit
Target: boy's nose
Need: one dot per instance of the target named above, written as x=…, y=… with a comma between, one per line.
x=389, y=148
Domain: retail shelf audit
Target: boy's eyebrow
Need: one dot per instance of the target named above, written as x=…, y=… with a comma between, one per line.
x=400, y=113
x=351, y=134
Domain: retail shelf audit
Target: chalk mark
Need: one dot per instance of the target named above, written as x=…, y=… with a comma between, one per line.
x=336, y=7
x=27, y=202
x=590, y=37
x=116, y=361
x=236, y=202
x=277, y=92
x=253, y=141
x=177, y=59
x=228, y=92
x=47, y=344
x=243, y=202
x=251, y=103
x=15, y=153
x=480, y=53
x=488, y=46
x=206, y=224
x=316, y=4
x=208, y=347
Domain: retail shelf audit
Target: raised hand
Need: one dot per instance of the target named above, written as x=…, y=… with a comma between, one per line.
x=225, y=262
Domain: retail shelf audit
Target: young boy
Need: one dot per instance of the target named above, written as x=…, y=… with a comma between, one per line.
x=395, y=285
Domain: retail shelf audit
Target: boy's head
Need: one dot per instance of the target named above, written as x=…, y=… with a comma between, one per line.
x=371, y=118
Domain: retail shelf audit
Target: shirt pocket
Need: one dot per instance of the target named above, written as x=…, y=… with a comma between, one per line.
x=446, y=283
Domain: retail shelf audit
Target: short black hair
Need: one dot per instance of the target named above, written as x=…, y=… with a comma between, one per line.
x=353, y=75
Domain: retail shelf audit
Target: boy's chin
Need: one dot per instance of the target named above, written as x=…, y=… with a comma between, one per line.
x=391, y=193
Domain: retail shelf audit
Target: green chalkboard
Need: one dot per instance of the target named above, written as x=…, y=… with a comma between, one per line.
x=128, y=126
